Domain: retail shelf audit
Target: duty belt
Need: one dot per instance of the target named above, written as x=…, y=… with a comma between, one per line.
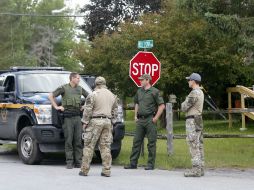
x=191, y=116
x=144, y=116
x=70, y=114
x=100, y=117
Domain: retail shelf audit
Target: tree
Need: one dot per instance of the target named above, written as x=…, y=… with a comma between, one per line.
x=35, y=40
x=233, y=17
x=106, y=15
x=14, y=35
x=42, y=50
x=185, y=42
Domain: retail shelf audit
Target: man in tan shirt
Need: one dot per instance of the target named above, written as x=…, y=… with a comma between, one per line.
x=193, y=107
x=100, y=112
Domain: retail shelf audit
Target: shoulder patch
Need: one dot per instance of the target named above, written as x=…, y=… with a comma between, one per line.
x=88, y=99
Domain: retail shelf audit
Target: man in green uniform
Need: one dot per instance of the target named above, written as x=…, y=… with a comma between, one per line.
x=149, y=106
x=71, y=107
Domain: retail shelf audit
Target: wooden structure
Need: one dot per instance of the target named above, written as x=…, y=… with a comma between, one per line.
x=170, y=136
x=244, y=92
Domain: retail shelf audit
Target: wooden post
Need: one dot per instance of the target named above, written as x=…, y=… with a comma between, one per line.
x=170, y=136
x=229, y=110
x=243, y=115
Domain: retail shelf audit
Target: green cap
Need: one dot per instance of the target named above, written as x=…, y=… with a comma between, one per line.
x=145, y=77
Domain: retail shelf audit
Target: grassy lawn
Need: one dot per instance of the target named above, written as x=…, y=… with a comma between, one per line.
x=219, y=153
x=210, y=127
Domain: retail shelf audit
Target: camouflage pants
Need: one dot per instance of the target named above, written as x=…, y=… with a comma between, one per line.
x=98, y=130
x=194, y=132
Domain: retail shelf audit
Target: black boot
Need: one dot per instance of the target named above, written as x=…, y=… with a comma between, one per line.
x=149, y=168
x=130, y=166
x=69, y=166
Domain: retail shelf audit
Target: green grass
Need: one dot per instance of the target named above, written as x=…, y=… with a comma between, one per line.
x=210, y=127
x=219, y=153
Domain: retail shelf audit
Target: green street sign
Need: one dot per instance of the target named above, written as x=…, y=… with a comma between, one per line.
x=145, y=44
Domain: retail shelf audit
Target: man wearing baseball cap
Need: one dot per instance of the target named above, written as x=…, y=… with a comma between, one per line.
x=193, y=107
x=149, y=106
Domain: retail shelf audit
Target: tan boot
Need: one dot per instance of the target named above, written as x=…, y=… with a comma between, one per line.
x=202, y=171
x=105, y=175
x=194, y=172
x=81, y=173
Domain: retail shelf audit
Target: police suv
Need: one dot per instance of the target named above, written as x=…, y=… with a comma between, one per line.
x=27, y=117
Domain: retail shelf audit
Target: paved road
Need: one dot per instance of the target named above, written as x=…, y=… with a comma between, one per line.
x=52, y=175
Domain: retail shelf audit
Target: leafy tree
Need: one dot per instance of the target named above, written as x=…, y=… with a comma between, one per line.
x=36, y=41
x=233, y=17
x=12, y=34
x=105, y=15
x=42, y=49
x=185, y=42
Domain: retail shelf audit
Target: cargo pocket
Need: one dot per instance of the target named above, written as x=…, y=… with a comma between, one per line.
x=191, y=134
x=198, y=123
x=107, y=137
x=88, y=135
x=77, y=103
x=69, y=102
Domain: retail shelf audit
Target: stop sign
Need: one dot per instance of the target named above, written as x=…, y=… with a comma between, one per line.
x=145, y=63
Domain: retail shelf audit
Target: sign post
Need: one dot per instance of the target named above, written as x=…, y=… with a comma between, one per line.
x=144, y=63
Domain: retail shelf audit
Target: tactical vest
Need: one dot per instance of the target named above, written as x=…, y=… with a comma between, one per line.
x=71, y=99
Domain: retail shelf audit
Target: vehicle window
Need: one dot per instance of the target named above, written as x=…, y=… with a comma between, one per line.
x=9, y=84
x=45, y=82
x=2, y=78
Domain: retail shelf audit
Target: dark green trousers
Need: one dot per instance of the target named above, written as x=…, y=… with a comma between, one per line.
x=73, y=139
x=148, y=128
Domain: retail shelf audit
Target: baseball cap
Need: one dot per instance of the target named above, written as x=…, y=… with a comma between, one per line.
x=100, y=81
x=194, y=76
x=145, y=77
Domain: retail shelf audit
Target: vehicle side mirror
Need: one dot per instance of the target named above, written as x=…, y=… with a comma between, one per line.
x=6, y=96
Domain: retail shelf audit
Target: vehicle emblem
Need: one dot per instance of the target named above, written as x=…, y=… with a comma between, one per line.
x=4, y=113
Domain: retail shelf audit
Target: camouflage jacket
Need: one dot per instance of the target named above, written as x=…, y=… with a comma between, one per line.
x=101, y=102
x=193, y=104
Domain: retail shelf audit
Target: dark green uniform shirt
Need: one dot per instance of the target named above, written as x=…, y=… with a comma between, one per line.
x=61, y=91
x=148, y=101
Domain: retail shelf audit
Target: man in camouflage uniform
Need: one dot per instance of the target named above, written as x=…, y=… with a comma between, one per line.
x=100, y=112
x=71, y=107
x=149, y=106
x=193, y=106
